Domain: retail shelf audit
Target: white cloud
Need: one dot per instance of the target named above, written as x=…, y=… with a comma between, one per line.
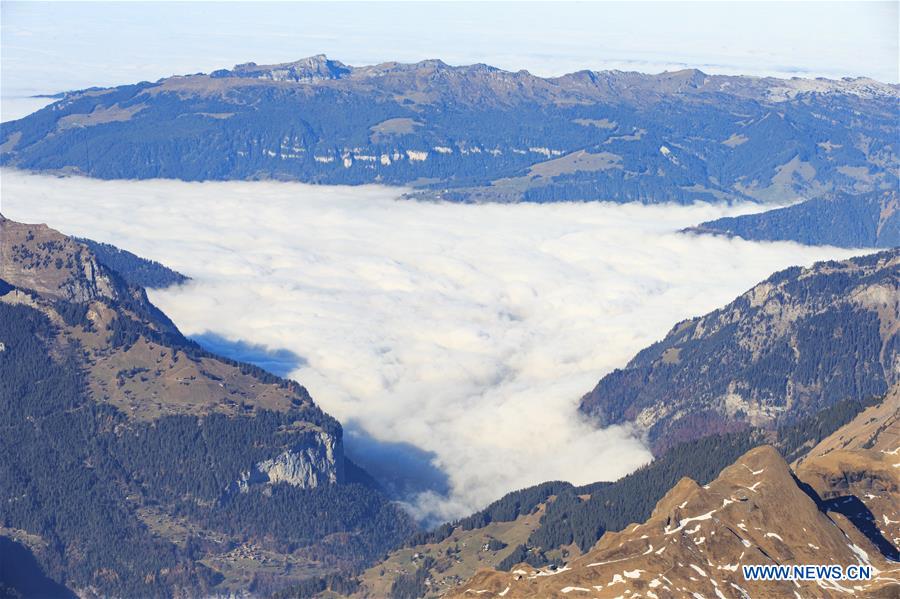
x=467, y=331
x=13, y=108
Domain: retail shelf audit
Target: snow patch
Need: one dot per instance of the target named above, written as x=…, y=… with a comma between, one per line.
x=683, y=522
x=698, y=570
x=729, y=567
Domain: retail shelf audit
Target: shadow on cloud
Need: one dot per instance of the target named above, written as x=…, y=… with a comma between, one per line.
x=280, y=362
x=403, y=469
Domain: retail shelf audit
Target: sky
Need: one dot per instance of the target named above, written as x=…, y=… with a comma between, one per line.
x=52, y=47
x=452, y=341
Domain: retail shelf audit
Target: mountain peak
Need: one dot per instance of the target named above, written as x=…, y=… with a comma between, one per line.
x=43, y=260
x=754, y=512
x=305, y=70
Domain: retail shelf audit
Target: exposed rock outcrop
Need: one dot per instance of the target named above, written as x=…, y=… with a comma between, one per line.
x=307, y=466
x=38, y=258
x=120, y=417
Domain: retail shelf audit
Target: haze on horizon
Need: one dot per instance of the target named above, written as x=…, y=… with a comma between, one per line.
x=53, y=47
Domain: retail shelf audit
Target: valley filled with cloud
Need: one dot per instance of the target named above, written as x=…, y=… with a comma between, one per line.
x=453, y=340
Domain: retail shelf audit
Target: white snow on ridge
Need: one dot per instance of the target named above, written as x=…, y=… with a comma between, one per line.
x=683, y=522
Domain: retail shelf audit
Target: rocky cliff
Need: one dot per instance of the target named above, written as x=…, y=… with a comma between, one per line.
x=318, y=462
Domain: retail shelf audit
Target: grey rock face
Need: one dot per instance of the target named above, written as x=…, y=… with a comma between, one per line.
x=305, y=70
x=308, y=465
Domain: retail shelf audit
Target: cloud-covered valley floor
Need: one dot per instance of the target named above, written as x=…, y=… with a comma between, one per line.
x=453, y=341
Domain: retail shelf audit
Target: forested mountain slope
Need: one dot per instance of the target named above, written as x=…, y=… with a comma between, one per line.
x=478, y=133
x=841, y=317
x=134, y=269
x=796, y=343
x=850, y=221
x=137, y=464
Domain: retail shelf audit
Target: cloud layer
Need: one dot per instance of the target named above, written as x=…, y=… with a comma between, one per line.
x=461, y=335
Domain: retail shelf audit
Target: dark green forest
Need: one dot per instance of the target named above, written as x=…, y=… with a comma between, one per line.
x=134, y=269
x=850, y=221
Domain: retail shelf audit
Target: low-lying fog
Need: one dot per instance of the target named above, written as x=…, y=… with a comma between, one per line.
x=453, y=341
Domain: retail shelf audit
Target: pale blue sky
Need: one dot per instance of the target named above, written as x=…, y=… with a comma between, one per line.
x=48, y=47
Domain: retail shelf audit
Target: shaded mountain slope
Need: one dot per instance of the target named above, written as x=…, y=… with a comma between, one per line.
x=478, y=133
x=142, y=465
x=855, y=472
x=134, y=269
x=793, y=345
x=871, y=220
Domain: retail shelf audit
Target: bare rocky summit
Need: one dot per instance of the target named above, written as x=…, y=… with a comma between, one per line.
x=756, y=512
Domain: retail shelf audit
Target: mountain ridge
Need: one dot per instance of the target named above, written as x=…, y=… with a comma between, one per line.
x=477, y=133
x=321, y=68
x=698, y=538
x=850, y=221
x=837, y=504
x=758, y=360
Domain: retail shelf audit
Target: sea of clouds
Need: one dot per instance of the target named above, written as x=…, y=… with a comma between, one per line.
x=453, y=341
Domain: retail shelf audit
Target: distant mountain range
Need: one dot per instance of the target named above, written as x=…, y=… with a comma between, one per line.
x=142, y=465
x=852, y=221
x=478, y=133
